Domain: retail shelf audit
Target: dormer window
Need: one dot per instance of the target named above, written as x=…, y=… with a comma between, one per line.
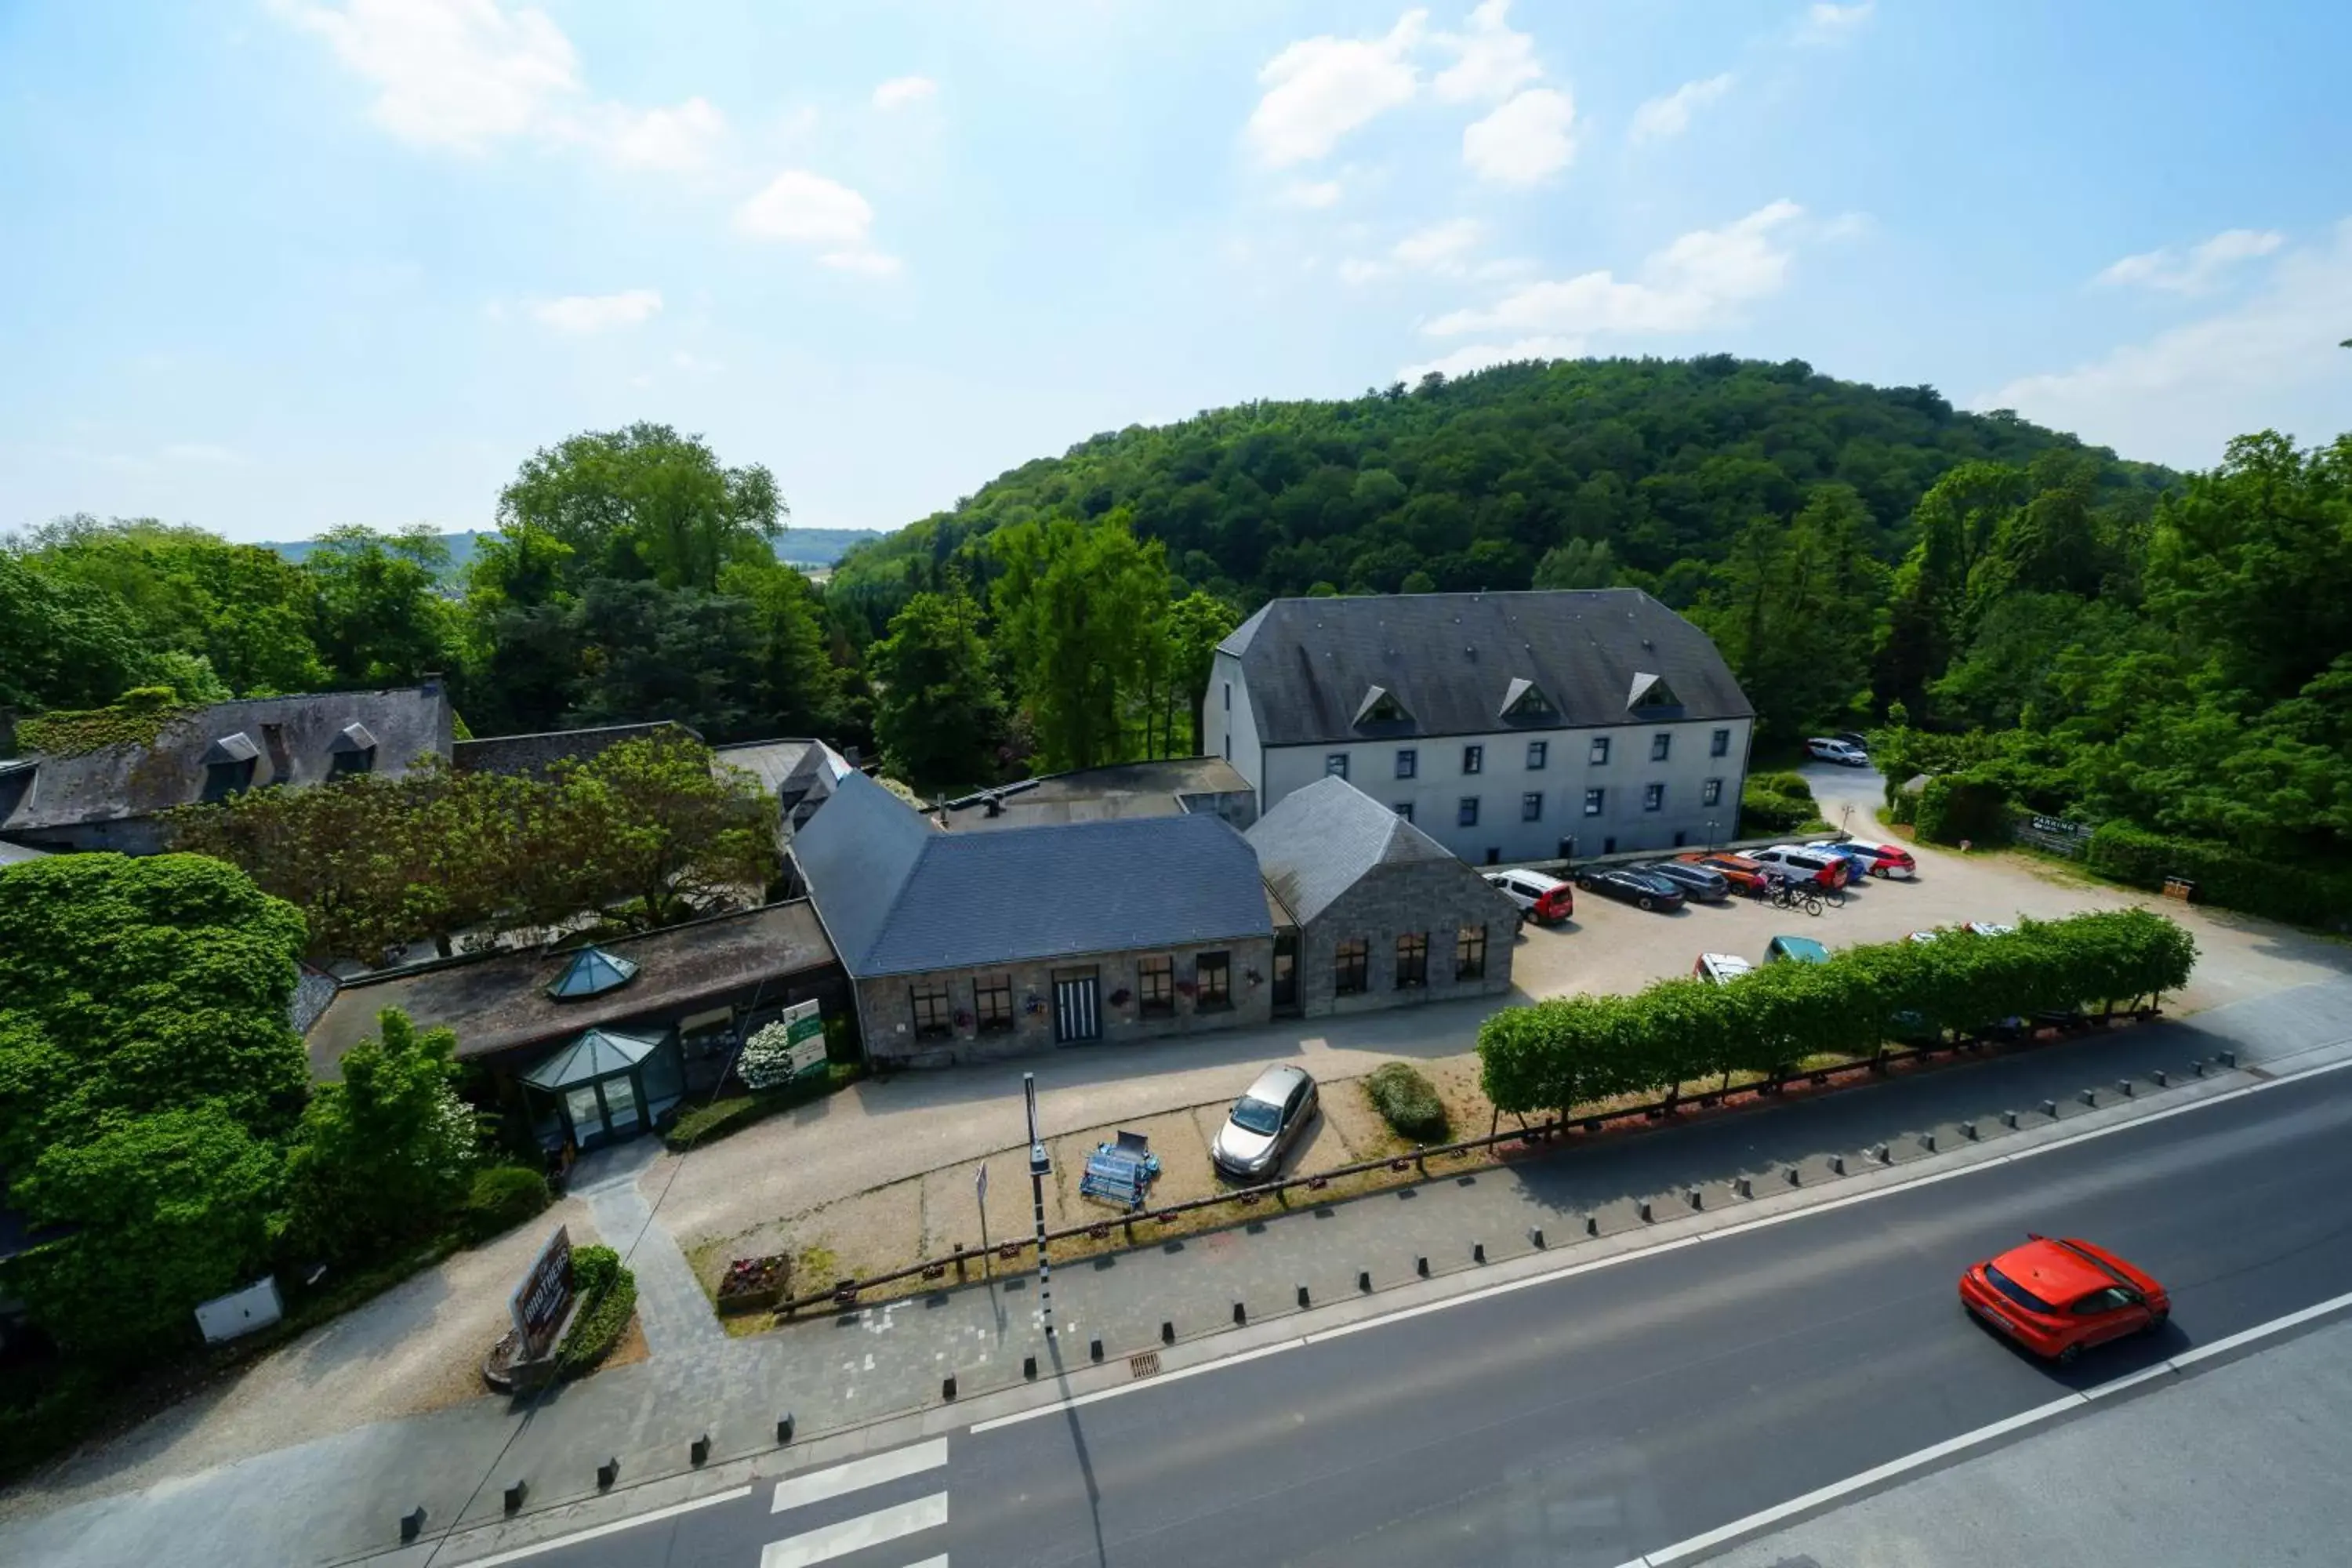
x=353, y=751
x=1652, y=695
x=1523, y=699
x=1380, y=706
x=228, y=765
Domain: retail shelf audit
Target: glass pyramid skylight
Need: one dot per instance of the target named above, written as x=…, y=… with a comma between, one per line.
x=592, y=973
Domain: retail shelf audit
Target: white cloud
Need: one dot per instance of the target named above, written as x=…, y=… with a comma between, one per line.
x=205, y=452
x=580, y=314
x=1318, y=89
x=1826, y=23
x=672, y=140
x=463, y=75
x=2201, y=269
x=1671, y=115
x=902, y=91
x=802, y=208
x=1691, y=284
x=1479, y=356
x=1491, y=61
x=1524, y=141
x=1312, y=194
x=695, y=363
x=2268, y=362
x=1443, y=249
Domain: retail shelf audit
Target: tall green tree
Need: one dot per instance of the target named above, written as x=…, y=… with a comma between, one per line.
x=64, y=644
x=381, y=617
x=385, y=1151
x=938, y=714
x=1082, y=609
x=1793, y=612
x=645, y=502
x=1197, y=623
x=1578, y=563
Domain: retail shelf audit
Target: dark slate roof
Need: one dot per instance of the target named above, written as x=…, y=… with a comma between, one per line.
x=1449, y=659
x=290, y=740
x=899, y=896
x=535, y=754
x=1161, y=788
x=499, y=1001
x=1320, y=841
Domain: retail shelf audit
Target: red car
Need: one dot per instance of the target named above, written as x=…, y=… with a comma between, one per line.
x=1745, y=875
x=2054, y=1297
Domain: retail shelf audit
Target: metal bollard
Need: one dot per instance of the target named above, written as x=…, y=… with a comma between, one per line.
x=1744, y=1187
x=2009, y=1119
x=2162, y=1081
x=1927, y=1142
x=1477, y=1252
x=1241, y=1313
x=697, y=1453
x=1692, y=1198
x=2089, y=1097
x=607, y=1473
x=2229, y=1058
x=784, y=1429
x=1421, y=1267
x=2049, y=1107
x=1029, y=1367
x=1094, y=1348
x=1363, y=1279
x=2197, y=1067
x=1302, y=1298
x=1885, y=1155
x=1167, y=1330
x=1794, y=1176
x=947, y=1387
x=1645, y=1209
x=1837, y=1164
x=412, y=1525
x=516, y=1492
x=2124, y=1088
x=1535, y=1237
x=1593, y=1225
x=1968, y=1130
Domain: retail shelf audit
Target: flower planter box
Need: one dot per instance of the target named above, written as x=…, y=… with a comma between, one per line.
x=755, y=1284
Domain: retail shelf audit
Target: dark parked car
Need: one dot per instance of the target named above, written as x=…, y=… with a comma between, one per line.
x=1629, y=885
x=1700, y=883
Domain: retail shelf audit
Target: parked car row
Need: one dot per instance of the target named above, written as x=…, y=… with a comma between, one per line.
x=1709, y=875
x=1723, y=968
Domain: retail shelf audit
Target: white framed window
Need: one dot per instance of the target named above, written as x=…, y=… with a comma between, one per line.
x=1721, y=745
x=1600, y=751
x=1531, y=806
x=1408, y=761
x=1654, y=797
x=1711, y=793
x=1593, y=801
x=1539, y=753
x=1662, y=745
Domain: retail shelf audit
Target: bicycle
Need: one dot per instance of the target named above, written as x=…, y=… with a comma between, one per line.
x=1790, y=896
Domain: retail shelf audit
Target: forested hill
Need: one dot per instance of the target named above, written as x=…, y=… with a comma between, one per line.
x=799, y=546
x=1471, y=483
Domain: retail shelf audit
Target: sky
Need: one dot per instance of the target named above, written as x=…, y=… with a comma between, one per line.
x=273, y=266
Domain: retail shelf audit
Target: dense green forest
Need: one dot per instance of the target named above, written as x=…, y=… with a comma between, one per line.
x=798, y=547
x=2044, y=624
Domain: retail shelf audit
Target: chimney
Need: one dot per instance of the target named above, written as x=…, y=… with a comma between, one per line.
x=281, y=761
x=849, y=755
x=429, y=683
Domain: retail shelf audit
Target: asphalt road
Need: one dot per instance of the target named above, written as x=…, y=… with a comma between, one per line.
x=1589, y=1419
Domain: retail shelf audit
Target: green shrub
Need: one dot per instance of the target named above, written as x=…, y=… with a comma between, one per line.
x=2280, y=890
x=1776, y=803
x=1556, y=1055
x=608, y=1295
x=720, y=1117
x=503, y=1197
x=1408, y=1102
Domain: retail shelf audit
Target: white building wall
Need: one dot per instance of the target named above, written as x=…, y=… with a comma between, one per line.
x=1502, y=834
x=1231, y=732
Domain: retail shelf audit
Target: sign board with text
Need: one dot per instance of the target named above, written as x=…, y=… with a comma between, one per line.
x=543, y=1299
x=804, y=1039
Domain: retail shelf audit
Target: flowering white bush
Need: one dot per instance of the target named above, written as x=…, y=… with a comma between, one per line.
x=766, y=1061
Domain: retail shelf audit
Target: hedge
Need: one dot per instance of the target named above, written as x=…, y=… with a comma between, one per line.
x=2279, y=889
x=608, y=1296
x=1408, y=1102
x=503, y=1197
x=720, y=1117
x=1777, y=803
x=1556, y=1055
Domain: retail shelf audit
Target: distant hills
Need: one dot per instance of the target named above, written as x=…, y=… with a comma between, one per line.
x=797, y=546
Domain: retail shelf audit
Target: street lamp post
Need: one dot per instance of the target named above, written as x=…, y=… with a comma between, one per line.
x=1710, y=832
x=1040, y=1166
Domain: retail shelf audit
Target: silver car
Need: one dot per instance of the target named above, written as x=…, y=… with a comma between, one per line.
x=1263, y=1123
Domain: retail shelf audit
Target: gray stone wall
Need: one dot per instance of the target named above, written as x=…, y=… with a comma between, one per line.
x=1436, y=897
x=888, y=1006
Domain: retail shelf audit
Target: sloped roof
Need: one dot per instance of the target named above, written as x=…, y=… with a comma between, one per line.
x=290, y=740
x=1320, y=841
x=592, y=973
x=1451, y=660
x=599, y=1053
x=536, y=753
x=899, y=896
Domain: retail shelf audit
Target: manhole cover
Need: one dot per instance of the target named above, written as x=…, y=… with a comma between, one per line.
x=1144, y=1365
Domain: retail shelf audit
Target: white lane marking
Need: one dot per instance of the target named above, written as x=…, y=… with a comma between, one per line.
x=1764, y=1518
x=1570, y=1270
x=520, y=1552
x=796, y=1491
x=857, y=1534
x=1180, y=1374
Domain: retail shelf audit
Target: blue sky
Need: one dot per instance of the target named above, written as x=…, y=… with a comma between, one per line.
x=275, y=264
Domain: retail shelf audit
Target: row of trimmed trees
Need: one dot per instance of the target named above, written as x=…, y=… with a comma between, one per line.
x=1554, y=1056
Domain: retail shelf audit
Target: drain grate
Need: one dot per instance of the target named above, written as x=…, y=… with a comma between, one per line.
x=1144, y=1365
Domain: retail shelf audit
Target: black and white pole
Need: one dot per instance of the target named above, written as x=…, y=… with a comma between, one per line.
x=1039, y=1167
